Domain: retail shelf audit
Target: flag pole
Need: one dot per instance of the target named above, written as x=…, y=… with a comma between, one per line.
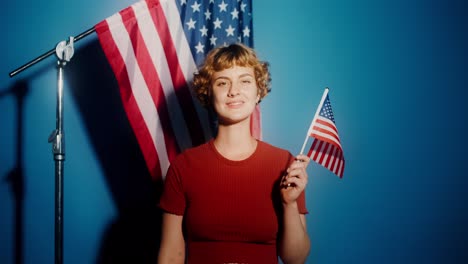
x=314, y=119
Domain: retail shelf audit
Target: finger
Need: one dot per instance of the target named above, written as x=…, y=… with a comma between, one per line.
x=297, y=165
x=302, y=158
x=298, y=172
x=285, y=182
x=296, y=182
x=287, y=185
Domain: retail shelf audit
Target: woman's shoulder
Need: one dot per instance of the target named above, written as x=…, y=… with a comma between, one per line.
x=268, y=148
x=195, y=152
x=274, y=156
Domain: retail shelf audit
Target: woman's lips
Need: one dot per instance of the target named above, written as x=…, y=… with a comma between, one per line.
x=234, y=104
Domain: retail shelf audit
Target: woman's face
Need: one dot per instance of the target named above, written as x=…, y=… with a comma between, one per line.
x=234, y=94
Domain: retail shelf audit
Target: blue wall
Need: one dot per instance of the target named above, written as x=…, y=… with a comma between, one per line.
x=397, y=73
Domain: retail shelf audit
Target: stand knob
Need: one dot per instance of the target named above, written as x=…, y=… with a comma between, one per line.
x=64, y=50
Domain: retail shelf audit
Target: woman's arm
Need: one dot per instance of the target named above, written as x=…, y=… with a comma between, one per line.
x=294, y=243
x=172, y=248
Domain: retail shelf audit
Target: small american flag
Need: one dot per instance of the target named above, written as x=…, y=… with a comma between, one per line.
x=326, y=148
x=154, y=47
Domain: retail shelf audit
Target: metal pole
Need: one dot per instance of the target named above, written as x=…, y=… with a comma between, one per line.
x=59, y=158
x=48, y=53
x=64, y=52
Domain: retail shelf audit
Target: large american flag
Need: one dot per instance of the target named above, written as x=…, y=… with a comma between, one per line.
x=154, y=47
x=326, y=148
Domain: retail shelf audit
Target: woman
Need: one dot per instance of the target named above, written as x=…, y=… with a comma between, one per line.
x=234, y=199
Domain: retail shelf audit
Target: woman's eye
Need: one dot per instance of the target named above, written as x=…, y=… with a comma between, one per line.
x=221, y=84
x=247, y=81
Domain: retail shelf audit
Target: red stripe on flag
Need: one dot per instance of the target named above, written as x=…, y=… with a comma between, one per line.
x=328, y=124
x=317, y=149
x=342, y=165
x=324, y=150
x=312, y=148
x=131, y=108
x=321, y=138
x=339, y=169
x=329, y=155
x=338, y=164
x=152, y=82
x=180, y=84
x=325, y=131
x=335, y=158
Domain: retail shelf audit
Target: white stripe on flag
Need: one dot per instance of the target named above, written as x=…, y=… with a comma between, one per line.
x=139, y=88
x=186, y=61
x=327, y=136
x=314, y=149
x=340, y=170
x=334, y=161
x=327, y=154
x=158, y=57
x=325, y=127
x=320, y=151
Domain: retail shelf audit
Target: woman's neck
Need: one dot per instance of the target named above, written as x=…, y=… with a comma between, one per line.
x=235, y=142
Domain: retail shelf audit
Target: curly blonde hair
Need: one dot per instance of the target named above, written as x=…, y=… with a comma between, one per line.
x=226, y=57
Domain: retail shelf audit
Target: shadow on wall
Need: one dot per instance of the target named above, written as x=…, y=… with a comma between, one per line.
x=16, y=177
x=134, y=235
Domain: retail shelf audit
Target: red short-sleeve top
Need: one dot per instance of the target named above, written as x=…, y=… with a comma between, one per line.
x=231, y=208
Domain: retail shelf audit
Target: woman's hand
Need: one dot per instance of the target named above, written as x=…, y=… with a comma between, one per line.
x=295, y=179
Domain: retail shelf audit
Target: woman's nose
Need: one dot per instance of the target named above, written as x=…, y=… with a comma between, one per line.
x=233, y=90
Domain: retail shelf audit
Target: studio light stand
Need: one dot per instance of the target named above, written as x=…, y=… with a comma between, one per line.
x=64, y=51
